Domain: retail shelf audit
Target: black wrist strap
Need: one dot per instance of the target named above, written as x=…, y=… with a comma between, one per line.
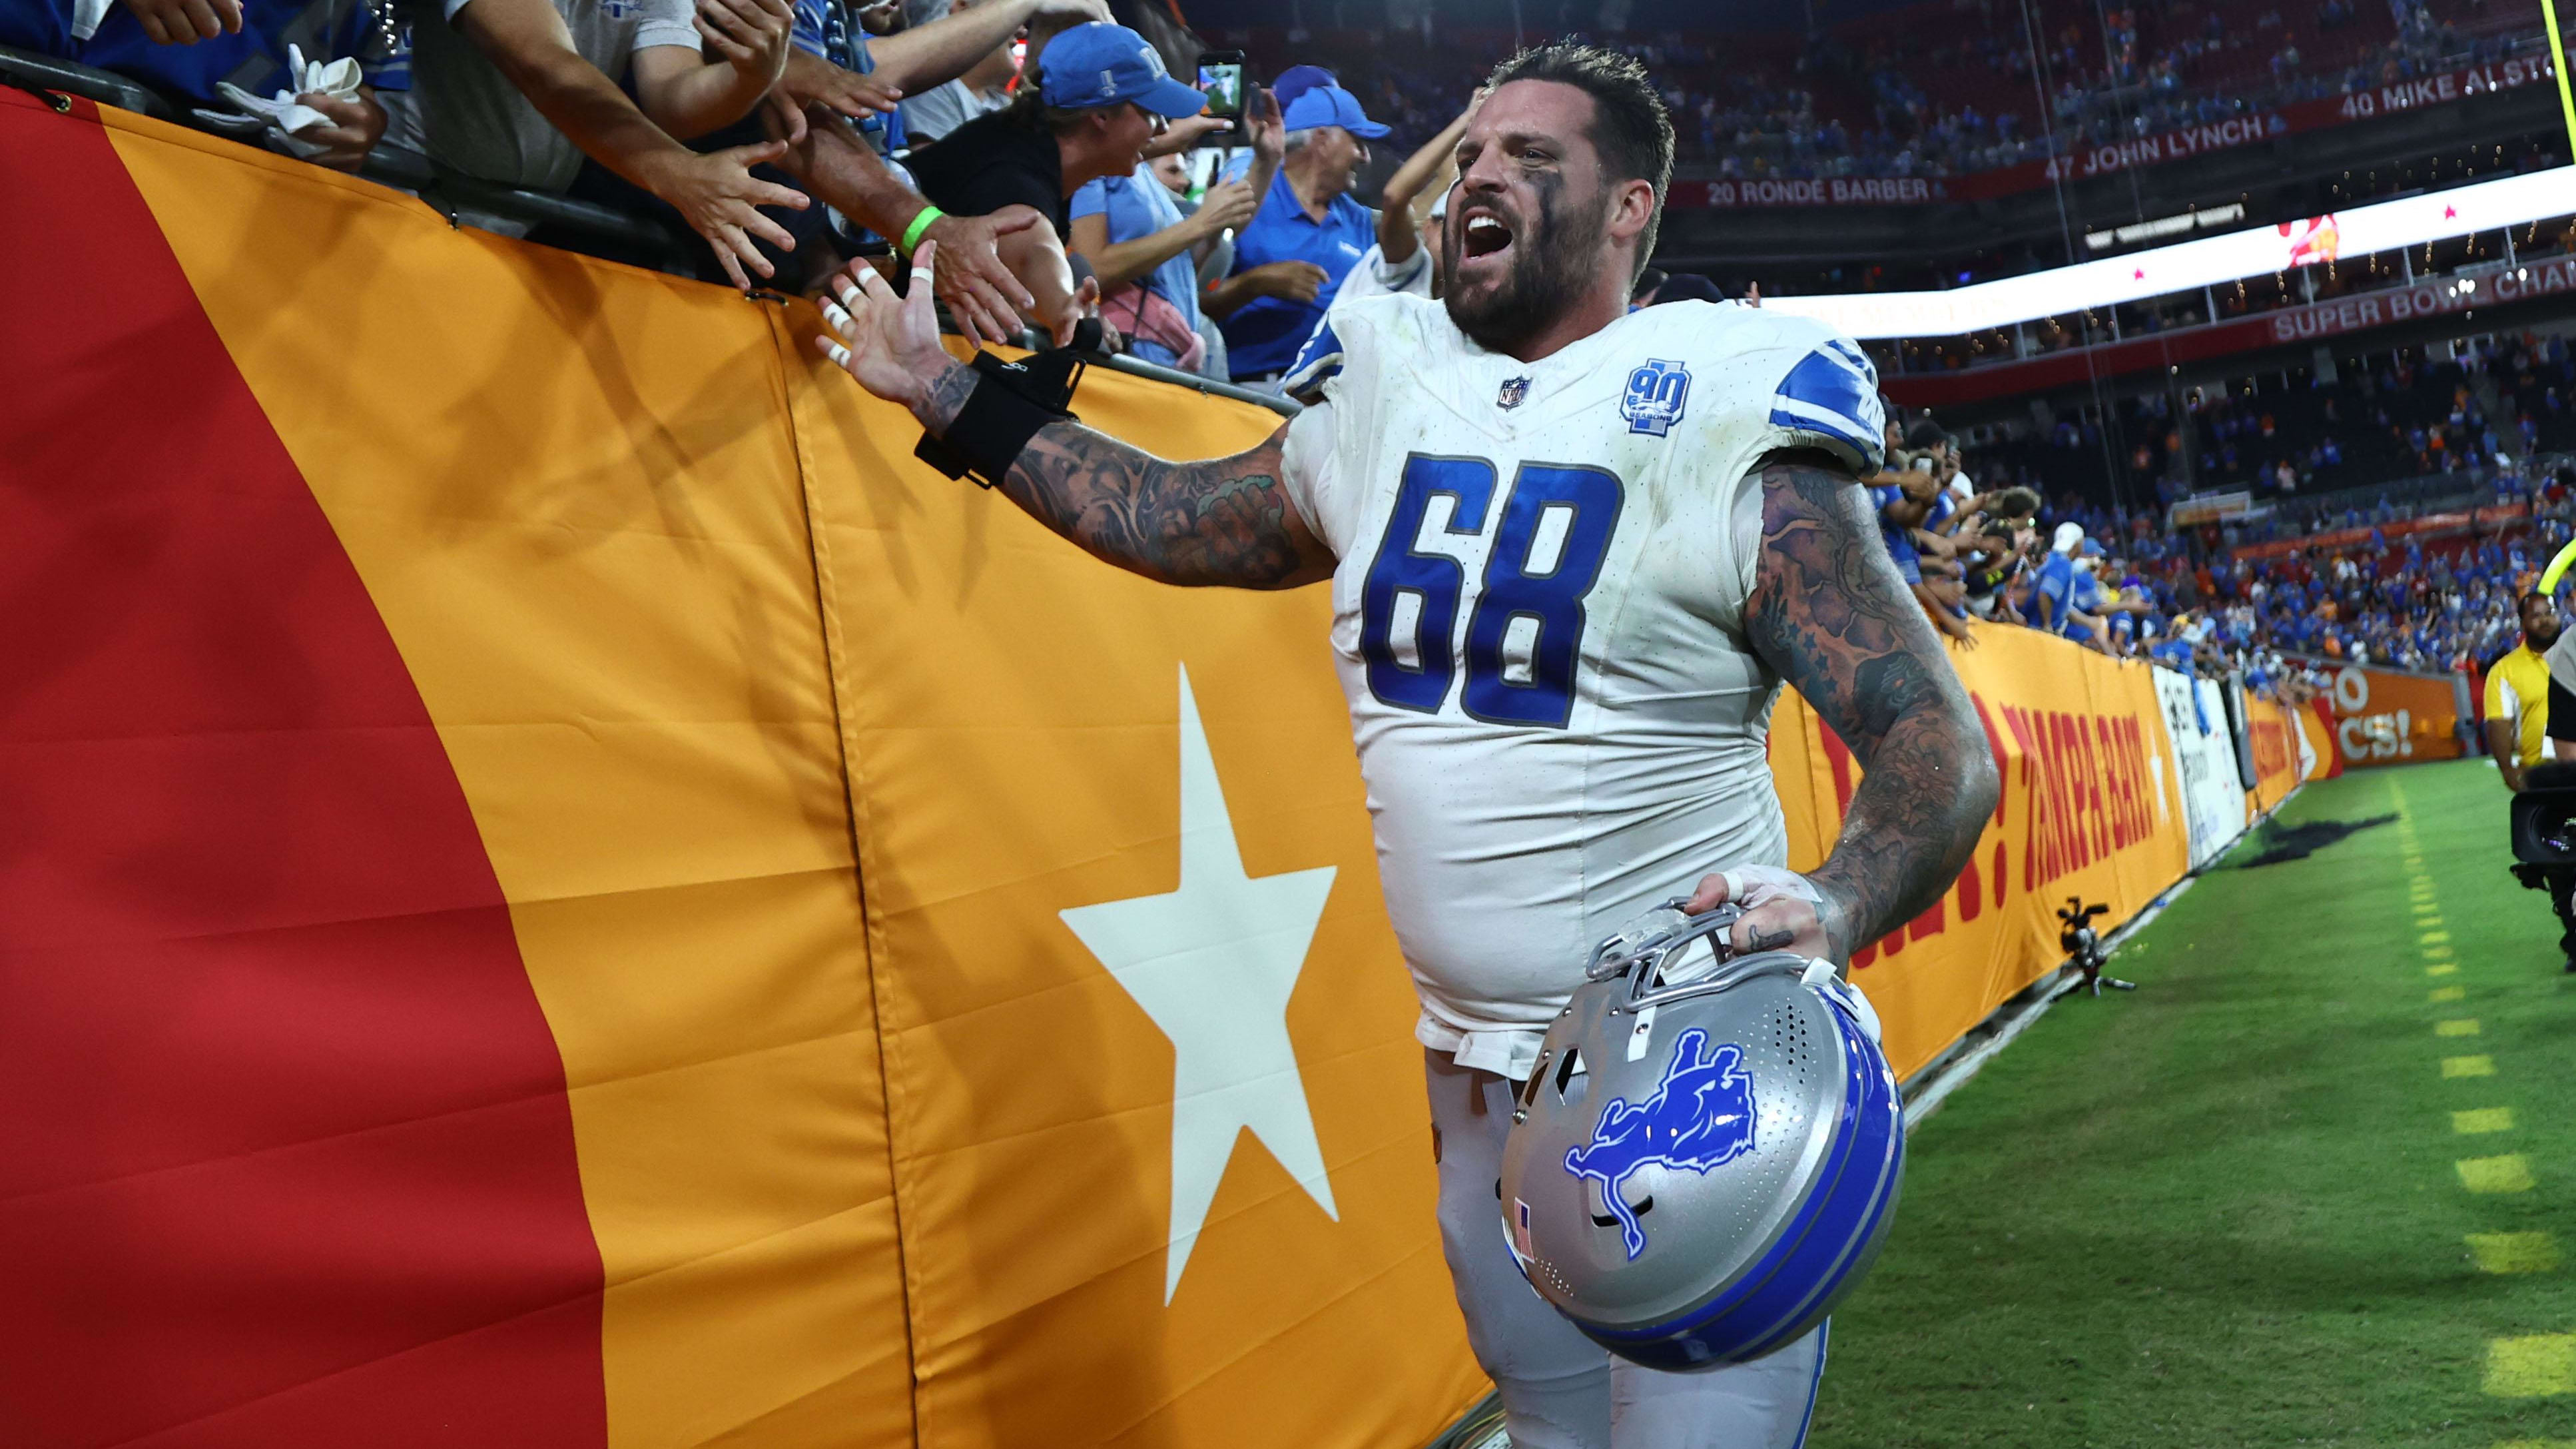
x=1011, y=401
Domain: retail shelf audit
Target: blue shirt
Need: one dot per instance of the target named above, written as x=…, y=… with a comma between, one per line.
x=824, y=29
x=1138, y=206
x=2057, y=585
x=1263, y=335
x=1900, y=542
x=2082, y=597
x=253, y=58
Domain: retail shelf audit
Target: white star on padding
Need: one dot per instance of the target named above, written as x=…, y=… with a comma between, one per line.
x=1213, y=964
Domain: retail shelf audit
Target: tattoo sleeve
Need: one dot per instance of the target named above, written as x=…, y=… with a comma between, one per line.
x=1223, y=521
x=1830, y=612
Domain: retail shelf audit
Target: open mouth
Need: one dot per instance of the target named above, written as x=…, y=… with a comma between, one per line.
x=1484, y=235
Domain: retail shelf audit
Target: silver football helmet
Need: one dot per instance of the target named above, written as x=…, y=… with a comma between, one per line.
x=1705, y=1159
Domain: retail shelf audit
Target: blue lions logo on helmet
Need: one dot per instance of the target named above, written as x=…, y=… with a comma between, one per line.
x=1655, y=395
x=1700, y=1117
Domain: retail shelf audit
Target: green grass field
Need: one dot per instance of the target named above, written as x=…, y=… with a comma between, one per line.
x=2229, y=1209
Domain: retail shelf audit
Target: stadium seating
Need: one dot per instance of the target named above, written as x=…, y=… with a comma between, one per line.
x=1934, y=88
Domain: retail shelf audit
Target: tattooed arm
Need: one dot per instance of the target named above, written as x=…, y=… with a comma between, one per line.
x=1221, y=521
x=1831, y=614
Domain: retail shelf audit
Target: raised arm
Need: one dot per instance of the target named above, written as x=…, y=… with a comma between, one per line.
x=922, y=56
x=1221, y=521
x=689, y=94
x=529, y=43
x=1830, y=613
x=1116, y=263
x=1398, y=231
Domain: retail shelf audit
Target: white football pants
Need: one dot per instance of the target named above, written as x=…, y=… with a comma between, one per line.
x=1560, y=1390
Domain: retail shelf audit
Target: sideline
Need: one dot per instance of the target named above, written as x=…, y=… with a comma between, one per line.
x=1952, y=1071
x=1946, y=1073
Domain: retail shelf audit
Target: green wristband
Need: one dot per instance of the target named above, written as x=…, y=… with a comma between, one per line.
x=920, y=224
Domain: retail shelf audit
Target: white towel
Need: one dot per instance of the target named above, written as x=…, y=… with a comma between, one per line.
x=283, y=112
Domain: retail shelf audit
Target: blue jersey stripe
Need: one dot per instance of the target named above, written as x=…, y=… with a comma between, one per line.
x=1316, y=362
x=1831, y=382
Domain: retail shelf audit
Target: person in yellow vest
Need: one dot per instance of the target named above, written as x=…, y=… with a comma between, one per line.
x=2518, y=694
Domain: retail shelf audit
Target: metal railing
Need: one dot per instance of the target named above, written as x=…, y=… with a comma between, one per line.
x=466, y=200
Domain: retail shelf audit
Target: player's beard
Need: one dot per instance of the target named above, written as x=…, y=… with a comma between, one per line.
x=1549, y=255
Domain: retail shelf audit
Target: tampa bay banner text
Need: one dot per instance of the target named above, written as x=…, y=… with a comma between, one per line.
x=562, y=890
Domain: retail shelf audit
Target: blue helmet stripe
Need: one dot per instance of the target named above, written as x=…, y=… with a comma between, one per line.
x=1816, y=420
x=1879, y=1197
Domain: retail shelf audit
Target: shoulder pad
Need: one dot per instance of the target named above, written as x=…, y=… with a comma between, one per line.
x=1828, y=394
x=1318, y=362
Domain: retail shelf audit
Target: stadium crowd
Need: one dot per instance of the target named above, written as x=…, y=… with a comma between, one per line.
x=1062, y=170
x=1950, y=89
x=2273, y=598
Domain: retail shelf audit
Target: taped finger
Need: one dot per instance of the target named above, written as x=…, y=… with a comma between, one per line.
x=839, y=320
x=840, y=355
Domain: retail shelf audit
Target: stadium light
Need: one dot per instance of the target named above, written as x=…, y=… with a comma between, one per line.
x=2206, y=261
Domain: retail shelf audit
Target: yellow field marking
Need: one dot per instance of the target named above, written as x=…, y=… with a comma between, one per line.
x=2456, y=1026
x=2510, y=1173
x=2447, y=993
x=2514, y=1252
x=2468, y=1066
x=2530, y=1368
x=2482, y=1119
x=2444, y=969
x=2433, y=938
x=2437, y=953
x=2430, y=921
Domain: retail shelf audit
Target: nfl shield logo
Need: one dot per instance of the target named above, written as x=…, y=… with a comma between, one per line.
x=1514, y=390
x=1655, y=395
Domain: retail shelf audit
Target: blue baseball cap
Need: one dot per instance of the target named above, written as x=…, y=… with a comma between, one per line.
x=2088, y=549
x=1296, y=80
x=1099, y=64
x=1330, y=105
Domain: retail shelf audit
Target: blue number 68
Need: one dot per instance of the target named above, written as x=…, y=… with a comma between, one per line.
x=1514, y=587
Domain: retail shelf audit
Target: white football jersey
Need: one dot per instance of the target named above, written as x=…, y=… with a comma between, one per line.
x=1538, y=618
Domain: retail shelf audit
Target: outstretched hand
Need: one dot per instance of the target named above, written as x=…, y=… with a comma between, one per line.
x=1086, y=303
x=890, y=344
x=983, y=298
x=1261, y=120
x=718, y=195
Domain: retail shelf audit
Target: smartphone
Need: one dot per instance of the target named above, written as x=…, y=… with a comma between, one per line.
x=1221, y=81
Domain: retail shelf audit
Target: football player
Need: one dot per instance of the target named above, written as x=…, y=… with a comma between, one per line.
x=1574, y=551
